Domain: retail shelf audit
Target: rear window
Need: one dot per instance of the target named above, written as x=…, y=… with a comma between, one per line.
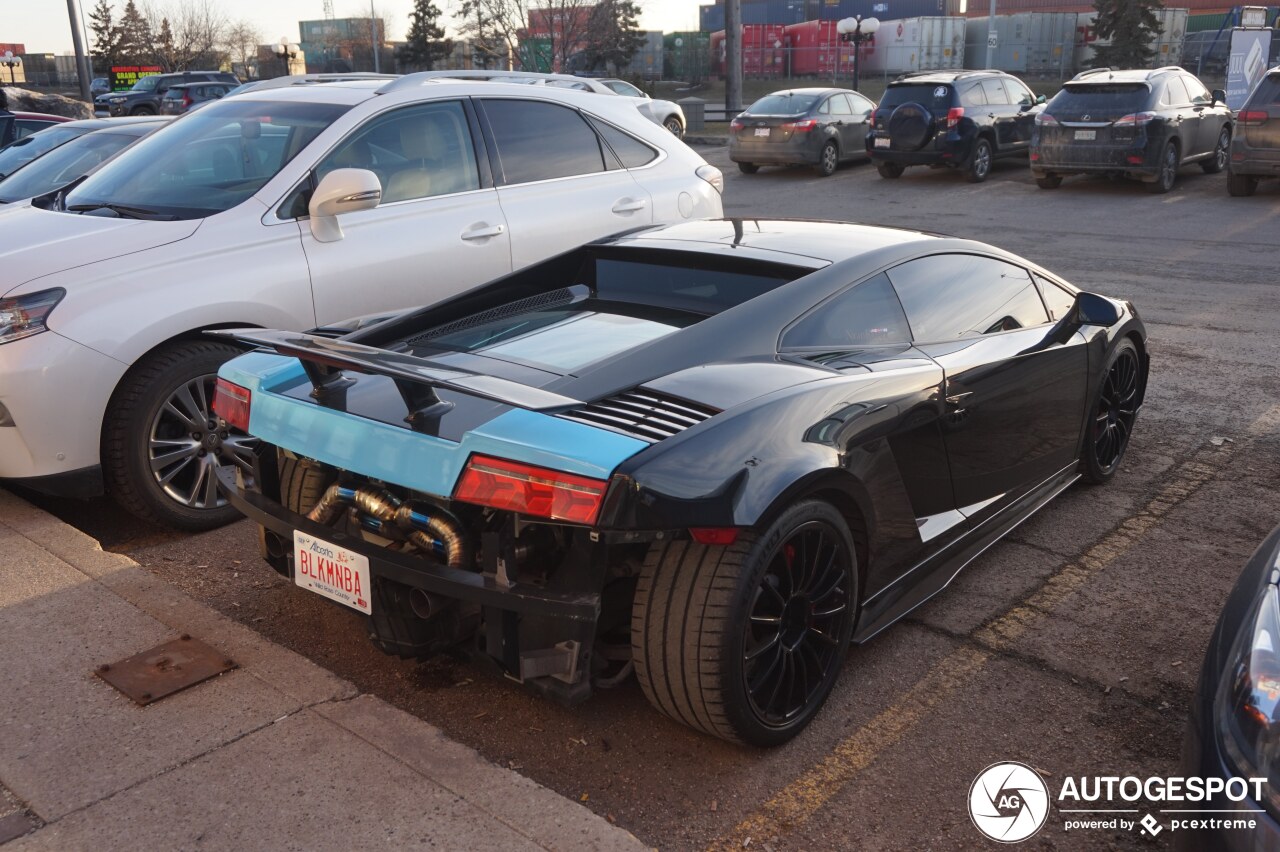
x=783, y=103
x=936, y=97
x=1268, y=91
x=1100, y=99
x=681, y=288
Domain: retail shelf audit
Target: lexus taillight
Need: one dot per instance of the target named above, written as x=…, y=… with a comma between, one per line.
x=231, y=403
x=1252, y=117
x=802, y=126
x=1046, y=120
x=954, y=115
x=517, y=487
x=1134, y=119
x=186, y=99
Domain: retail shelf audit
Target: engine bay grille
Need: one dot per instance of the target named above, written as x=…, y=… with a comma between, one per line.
x=641, y=413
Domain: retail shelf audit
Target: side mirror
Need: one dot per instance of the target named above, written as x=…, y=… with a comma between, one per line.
x=1041, y=99
x=1092, y=309
x=341, y=191
x=1219, y=96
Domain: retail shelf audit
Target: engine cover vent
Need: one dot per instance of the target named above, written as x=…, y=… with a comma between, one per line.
x=641, y=413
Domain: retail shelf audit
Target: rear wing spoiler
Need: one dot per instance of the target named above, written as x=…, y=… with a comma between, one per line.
x=325, y=359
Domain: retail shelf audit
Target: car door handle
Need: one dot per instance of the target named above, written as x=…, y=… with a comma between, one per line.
x=628, y=205
x=483, y=231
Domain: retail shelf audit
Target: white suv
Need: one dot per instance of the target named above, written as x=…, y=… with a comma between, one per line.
x=289, y=208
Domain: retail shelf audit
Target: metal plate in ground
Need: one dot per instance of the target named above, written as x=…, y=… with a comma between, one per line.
x=165, y=669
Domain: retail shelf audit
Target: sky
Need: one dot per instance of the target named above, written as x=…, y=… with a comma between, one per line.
x=43, y=25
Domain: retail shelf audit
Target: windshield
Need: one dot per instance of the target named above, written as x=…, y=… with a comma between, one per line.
x=208, y=162
x=60, y=167
x=783, y=103
x=1100, y=101
x=28, y=148
x=146, y=84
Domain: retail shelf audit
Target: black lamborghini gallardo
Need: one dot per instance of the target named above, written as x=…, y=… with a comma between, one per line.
x=715, y=452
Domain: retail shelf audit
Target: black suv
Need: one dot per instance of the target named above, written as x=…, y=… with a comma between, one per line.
x=144, y=97
x=1144, y=124
x=1255, y=149
x=960, y=119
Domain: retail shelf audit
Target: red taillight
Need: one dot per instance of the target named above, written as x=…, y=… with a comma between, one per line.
x=954, y=115
x=186, y=99
x=871, y=123
x=1134, y=159
x=735, y=126
x=516, y=487
x=1035, y=156
x=714, y=535
x=802, y=126
x=1252, y=117
x=1134, y=119
x=1046, y=120
x=231, y=403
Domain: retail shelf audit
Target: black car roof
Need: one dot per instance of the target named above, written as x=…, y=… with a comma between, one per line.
x=799, y=242
x=1121, y=75
x=944, y=77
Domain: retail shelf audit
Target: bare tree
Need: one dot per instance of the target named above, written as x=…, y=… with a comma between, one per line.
x=241, y=40
x=566, y=23
x=196, y=31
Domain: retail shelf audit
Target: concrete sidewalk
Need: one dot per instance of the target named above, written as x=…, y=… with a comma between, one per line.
x=276, y=754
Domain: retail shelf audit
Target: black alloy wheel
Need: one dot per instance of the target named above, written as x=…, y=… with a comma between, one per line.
x=1168, y=173
x=1221, y=151
x=802, y=607
x=980, y=162
x=1111, y=420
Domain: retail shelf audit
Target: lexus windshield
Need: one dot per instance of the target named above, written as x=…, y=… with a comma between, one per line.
x=210, y=161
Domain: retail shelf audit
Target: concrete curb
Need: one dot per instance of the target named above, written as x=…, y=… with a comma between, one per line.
x=279, y=753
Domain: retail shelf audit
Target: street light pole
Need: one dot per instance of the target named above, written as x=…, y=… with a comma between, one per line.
x=857, y=30
x=991, y=36
x=82, y=61
x=732, y=56
x=373, y=35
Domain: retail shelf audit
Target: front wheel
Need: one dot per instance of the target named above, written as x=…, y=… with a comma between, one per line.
x=980, y=162
x=890, y=171
x=674, y=126
x=748, y=168
x=745, y=641
x=1218, y=161
x=1112, y=416
x=162, y=444
x=1168, y=173
x=142, y=110
x=828, y=159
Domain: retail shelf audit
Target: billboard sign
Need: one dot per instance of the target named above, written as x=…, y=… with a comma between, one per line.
x=124, y=76
x=1248, y=62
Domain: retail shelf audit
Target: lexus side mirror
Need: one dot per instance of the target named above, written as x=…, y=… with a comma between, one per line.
x=1219, y=96
x=1092, y=309
x=341, y=191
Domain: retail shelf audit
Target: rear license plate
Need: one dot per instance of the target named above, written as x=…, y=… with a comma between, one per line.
x=762, y=131
x=1086, y=135
x=335, y=572
x=882, y=141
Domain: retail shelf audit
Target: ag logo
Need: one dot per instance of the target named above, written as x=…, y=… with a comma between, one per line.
x=1008, y=802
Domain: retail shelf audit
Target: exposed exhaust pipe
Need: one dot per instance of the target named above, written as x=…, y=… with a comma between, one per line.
x=430, y=527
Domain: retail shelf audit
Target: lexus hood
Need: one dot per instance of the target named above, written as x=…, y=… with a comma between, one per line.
x=36, y=243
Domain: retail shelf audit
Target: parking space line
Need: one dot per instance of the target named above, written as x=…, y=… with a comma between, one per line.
x=794, y=804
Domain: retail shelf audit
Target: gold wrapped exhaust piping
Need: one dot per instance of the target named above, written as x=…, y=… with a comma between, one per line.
x=431, y=528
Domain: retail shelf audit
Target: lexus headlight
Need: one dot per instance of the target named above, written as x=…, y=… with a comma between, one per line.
x=1247, y=708
x=23, y=316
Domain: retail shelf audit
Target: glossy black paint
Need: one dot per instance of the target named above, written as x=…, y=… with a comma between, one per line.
x=1202, y=754
x=931, y=451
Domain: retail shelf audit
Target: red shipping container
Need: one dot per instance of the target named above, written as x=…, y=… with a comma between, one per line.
x=763, y=51
x=815, y=49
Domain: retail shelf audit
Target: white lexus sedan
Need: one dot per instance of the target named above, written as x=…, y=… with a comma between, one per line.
x=289, y=208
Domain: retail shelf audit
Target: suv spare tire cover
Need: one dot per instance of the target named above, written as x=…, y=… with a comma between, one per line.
x=910, y=126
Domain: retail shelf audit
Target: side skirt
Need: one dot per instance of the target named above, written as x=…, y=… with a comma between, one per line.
x=932, y=576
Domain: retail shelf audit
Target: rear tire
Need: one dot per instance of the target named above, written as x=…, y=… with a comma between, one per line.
x=709, y=652
x=980, y=163
x=1049, y=181
x=1221, y=151
x=1112, y=416
x=890, y=171
x=1241, y=186
x=142, y=110
x=828, y=159
x=1168, y=175
x=748, y=168
x=674, y=126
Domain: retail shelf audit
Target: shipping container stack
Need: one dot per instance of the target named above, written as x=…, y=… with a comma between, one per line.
x=1037, y=44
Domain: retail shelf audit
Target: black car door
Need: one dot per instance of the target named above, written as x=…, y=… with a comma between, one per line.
x=853, y=134
x=1209, y=117
x=1014, y=389
x=1001, y=113
x=1182, y=119
x=1025, y=119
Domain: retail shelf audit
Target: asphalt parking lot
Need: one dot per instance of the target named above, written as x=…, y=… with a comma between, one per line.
x=1071, y=646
